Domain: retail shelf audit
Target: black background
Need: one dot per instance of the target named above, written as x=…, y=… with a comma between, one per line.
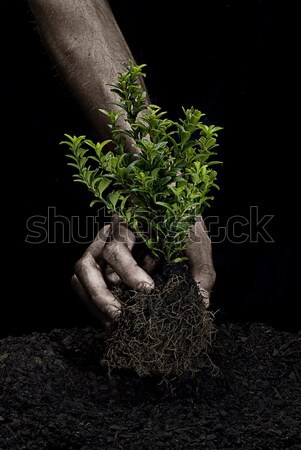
x=233, y=60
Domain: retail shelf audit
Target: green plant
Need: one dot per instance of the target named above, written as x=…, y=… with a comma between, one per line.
x=160, y=190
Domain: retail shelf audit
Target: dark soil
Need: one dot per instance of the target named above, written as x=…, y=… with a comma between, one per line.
x=55, y=394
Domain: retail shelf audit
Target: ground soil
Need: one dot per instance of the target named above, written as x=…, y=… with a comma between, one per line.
x=55, y=394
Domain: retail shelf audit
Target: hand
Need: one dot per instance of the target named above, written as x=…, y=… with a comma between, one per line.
x=108, y=261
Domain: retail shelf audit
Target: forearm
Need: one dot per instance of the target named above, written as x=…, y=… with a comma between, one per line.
x=88, y=49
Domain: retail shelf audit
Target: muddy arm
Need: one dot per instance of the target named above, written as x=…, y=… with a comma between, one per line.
x=87, y=48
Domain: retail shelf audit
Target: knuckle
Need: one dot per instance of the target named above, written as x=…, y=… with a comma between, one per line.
x=206, y=277
x=111, y=252
x=212, y=278
x=108, y=253
x=81, y=265
x=113, y=278
x=209, y=280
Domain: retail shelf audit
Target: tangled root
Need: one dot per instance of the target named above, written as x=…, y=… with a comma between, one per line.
x=167, y=332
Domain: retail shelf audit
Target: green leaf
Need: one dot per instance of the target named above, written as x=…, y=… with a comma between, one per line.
x=103, y=186
x=212, y=163
x=179, y=259
x=123, y=202
x=73, y=165
x=163, y=182
x=155, y=172
x=78, y=180
x=166, y=205
x=113, y=198
x=95, y=181
x=94, y=202
x=128, y=216
x=99, y=147
x=167, y=184
x=104, y=111
x=71, y=157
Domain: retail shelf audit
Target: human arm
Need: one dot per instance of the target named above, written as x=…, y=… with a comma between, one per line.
x=88, y=50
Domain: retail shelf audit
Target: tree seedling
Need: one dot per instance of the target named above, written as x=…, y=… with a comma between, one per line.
x=160, y=189
x=157, y=191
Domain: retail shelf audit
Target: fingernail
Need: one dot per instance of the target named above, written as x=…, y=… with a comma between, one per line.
x=116, y=314
x=144, y=287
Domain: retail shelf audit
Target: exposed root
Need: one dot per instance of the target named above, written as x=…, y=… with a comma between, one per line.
x=167, y=332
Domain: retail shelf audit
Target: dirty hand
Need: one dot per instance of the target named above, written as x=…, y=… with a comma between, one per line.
x=108, y=261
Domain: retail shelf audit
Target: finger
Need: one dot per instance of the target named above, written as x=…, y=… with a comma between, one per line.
x=97, y=246
x=199, y=253
x=118, y=255
x=126, y=236
x=89, y=274
x=143, y=257
x=146, y=261
x=93, y=279
x=111, y=276
x=85, y=298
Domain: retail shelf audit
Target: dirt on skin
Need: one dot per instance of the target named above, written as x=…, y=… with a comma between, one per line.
x=55, y=394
